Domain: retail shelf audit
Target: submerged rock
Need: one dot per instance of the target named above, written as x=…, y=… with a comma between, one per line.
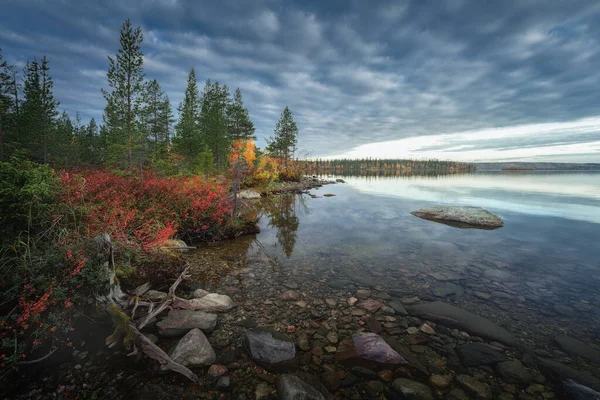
x=575, y=391
x=578, y=348
x=290, y=387
x=369, y=350
x=193, y=350
x=461, y=216
x=273, y=350
x=412, y=390
x=475, y=388
x=179, y=322
x=213, y=302
x=476, y=354
x=455, y=317
x=560, y=372
x=248, y=195
x=513, y=372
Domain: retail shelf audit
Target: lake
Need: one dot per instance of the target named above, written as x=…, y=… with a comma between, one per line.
x=537, y=277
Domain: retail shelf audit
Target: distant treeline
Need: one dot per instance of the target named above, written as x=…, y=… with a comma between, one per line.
x=375, y=164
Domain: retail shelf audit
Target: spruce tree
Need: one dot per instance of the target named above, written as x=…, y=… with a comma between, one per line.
x=240, y=125
x=126, y=139
x=49, y=106
x=166, y=118
x=188, y=139
x=30, y=118
x=283, y=143
x=214, y=122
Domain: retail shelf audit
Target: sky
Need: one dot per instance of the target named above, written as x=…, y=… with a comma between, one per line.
x=468, y=80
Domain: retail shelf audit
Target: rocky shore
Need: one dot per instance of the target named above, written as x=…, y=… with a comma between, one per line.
x=301, y=339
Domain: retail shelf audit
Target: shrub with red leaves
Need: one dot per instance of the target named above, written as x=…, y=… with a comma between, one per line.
x=145, y=213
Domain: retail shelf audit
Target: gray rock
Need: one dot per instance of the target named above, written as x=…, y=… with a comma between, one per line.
x=560, y=372
x=575, y=391
x=578, y=348
x=272, y=350
x=290, y=387
x=455, y=317
x=179, y=322
x=447, y=289
x=513, y=372
x=248, y=195
x=368, y=350
x=475, y=388
x=476, y=354
x=155, y=295
x=398, y=307
x=461, y=216
x=412, y=390
x=213, y=302
x=193, y=350
x=199, y=293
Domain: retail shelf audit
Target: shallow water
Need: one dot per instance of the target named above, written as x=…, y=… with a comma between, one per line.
x=538, y=276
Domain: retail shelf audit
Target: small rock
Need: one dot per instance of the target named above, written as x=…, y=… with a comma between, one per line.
x=193, y=350
x=217, y=370
x=440, y=381
x=412, y=330
x=412, y=390
x=289, y=295
x=398, y=308
x=179, y=322
x=213, y=302
x=363, y=293
x=301, y=303
x=409, y=300
x=513, y=372
x=291, y=387
x=331, y=302
x=474, y=387
x=332, y=337
x=427, y=329
x=370, y=305
x=224, y=384
x=263, y=390
x=352, y=301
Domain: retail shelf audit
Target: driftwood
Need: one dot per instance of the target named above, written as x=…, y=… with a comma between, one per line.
x=123, y=308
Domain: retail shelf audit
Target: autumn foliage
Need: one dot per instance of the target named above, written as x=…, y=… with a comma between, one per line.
x=145, y=213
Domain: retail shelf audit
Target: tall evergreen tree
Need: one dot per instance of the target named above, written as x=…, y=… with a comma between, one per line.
x=30, y=117
x=126, y=139
x=240, y=125
x=188, y=140
x=151, y=114
x=166, y=118
x=214, y=122
x=49, y=106
x=283, y=143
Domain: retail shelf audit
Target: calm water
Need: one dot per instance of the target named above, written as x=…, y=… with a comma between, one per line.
x=540, y=273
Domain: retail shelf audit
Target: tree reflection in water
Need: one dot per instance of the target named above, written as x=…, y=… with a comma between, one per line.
x=281, y=211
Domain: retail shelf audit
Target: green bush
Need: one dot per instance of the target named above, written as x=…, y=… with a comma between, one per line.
x=26, y=197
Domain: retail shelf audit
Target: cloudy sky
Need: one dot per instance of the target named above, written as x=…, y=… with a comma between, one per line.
x=457, y=79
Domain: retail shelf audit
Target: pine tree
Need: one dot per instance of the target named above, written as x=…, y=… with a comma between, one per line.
x=49, y=106
x=188, y=140
x=283, y=143
x=30, y=117
x=126, y=138
x=166, y=118
x=214, y=123
x=240, y=125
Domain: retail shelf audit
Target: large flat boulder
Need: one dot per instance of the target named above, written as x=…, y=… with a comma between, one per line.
x=447, y=314
x=213, y=302
x=461, y=216
x=273, y=350
x=369, y=350
x=179, y=322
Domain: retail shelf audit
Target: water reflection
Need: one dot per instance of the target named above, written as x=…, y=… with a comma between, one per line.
x=281, y=212
x=574, y=195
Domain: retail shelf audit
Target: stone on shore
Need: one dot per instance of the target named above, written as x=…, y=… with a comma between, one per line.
x=248, y=195
x=369, y=350
x=290, y=387
x=461, y=216
x=272, y=350
x=455, y=317
x=213, y=302
x=179, y=322
x=193, y=350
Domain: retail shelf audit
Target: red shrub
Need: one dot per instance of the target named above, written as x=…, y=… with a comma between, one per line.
x=145, y=213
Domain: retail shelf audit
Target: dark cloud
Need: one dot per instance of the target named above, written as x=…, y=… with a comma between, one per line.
x=352, y=72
